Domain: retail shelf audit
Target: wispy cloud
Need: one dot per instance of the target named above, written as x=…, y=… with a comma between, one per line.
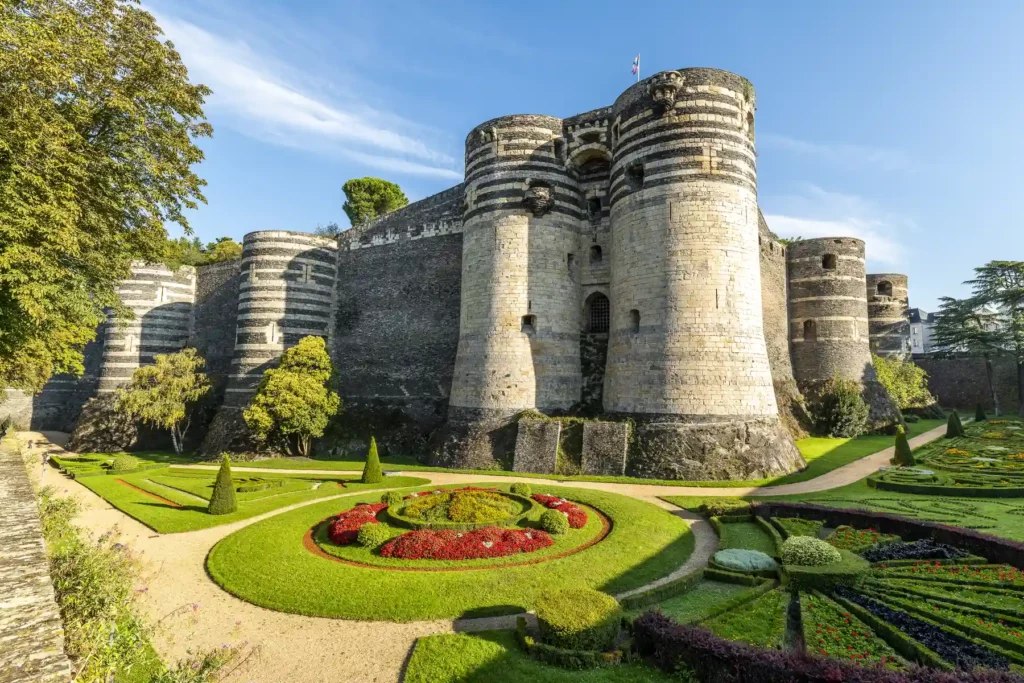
x=257, y=97
x=815, y=212
x=839, y=153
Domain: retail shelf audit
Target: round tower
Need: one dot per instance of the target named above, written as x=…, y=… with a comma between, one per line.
x=161, y=300
x=687, y=358
x=888, y=324
x=285, y=293
x=519, y=319
x=828, y=313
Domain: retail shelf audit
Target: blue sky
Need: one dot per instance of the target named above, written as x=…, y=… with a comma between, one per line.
x=897, y=122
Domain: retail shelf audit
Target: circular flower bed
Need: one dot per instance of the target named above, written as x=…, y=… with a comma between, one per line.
x=449, y=544
x=462, y=509
x=345, y=527
x=574, y=513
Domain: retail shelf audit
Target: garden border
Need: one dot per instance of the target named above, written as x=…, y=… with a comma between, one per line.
x=149, y=494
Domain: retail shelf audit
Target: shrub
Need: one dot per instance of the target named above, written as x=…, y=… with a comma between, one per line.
x=953, y=426
x=344, y=530
x=520, y=489
x=839, y=410
x=392, y=498
x=5, y=424
x=578, y=619
x=906, y=383
x=222, y=501
x=716, y=507
x=903, y=456
x=554, y=522
x=959, y=423
x=804, y=551
x=124, y=463
x=979, y=414
x=373, y=535
x=745, y=560
x=576, y=515
x=371, y=470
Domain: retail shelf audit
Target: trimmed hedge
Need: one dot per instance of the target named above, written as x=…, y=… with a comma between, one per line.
x=372, y=473
x=845, y=572
x=745, y=561
x=521, y=488
x=222, y=500
x=770, y=529
x=902, y=455
x=670, y=589
x=805, y=551
x=373, y=535
x=566, y=659
x=578, y=619
x=716, y=507
x=392, y=498
x=672, y=646
x=554, y=522
x=726, y=576
x=124, y=463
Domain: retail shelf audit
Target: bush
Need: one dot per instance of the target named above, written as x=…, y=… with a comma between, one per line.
x=392, y=498
x=124, y=463
x=371, y=471
x=554, y=522
x=716, y=507
x=804, y=551
x=520, y=489
x=578, y=619
x=903, y=456
x=743, y=560
x=839, y=410
x=953, y=426
x=222, y=502
x=979, y=414
x=911, y=419
x=373, y=535
x=906, y=383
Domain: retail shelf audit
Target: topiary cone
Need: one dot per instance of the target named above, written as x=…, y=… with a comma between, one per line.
x=222, y=502
x=371, y=471
x=959, y=424
x=903, y=457
x=979, y=414
x=952, y=425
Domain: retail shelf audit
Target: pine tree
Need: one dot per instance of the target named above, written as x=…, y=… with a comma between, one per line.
x=903, y=457
x=979, y=414
x=222, y=502
x=371, y=471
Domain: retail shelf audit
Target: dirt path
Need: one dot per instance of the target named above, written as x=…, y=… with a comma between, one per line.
x=195, y=613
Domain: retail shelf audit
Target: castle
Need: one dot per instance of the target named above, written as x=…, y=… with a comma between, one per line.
x=612, y=264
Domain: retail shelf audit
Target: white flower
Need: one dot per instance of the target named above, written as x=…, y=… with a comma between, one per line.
x=488, y=544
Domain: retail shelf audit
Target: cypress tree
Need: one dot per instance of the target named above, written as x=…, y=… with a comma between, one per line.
x=371, y=471
x=952, y=426
x=903, y=457
x=979, y=414
x=222, y=502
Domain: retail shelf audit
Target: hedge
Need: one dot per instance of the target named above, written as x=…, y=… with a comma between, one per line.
x=955, y=491
x=842, y=573
x=770, y=529
x=578, y=619
x=667, y=590
x=671, y=646
x=566, y=659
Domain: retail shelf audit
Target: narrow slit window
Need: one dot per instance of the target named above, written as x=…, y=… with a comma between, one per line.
x=594, y=208
x=829, y=261
x=529, y=325
x=635, y=176
x=810, y=330
x=596, y=256
x=634, y=321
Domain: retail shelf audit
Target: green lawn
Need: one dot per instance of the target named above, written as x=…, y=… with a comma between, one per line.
x=495, y=657
x=187, y=491
x=761, y=622
x=266, y=564
x=747, y=535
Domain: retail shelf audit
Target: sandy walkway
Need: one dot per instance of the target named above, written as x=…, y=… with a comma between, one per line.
x=195, y=612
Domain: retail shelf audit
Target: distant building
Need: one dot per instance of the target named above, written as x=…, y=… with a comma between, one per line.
x=921, y=325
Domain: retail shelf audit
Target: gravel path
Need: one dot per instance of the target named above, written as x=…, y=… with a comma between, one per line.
x=193, y=612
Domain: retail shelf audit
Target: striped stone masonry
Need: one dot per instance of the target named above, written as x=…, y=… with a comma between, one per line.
x=888, y=321
x=161, y=301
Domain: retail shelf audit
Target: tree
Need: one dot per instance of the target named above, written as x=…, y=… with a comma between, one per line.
x=906, y=383
x=224, y=249
x=371, y=470
x=902, y=455
x=97, y=127
x=222, y=500
x=162, y=395
x=329, y=230
x=954, y=428
x=968, y=326
x=191, y=252
x=293, y=399
x=367, y=198
x=979, y=414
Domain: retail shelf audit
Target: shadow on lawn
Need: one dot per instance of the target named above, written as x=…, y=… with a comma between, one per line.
x=652, y=568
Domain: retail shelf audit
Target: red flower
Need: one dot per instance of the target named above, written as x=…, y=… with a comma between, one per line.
x=448, y=544
x=577, y=516
x=344, y=530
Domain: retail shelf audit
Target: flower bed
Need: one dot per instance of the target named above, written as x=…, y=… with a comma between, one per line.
x=925, y=549
x=449, y=544
x=577, y=516
x=831, y=631
x=344, y=530
x=858, y=540
x=459, y=509
x=970, y=574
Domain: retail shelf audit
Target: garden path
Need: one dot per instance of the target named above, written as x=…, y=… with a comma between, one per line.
x=195, y=613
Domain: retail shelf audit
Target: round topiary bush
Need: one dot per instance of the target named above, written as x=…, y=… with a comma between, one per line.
x=554, y=522
x=804, y=551
x=373, y=535
x=742, y=560
x=520, y=489
x=124, y=463
x=578, y=619
x=392, y=498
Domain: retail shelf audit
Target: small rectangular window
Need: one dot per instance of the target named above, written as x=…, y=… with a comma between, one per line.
x=529, y=325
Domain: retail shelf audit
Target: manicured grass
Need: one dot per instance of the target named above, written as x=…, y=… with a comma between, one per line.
x=192, y=515
x=495, y=657
x=761, y=622
x=266, y=564
x=698, y=603
x=747, y=535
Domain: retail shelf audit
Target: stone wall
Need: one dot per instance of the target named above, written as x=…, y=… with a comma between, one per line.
x=962, y=382
x=31, y=632
x=888, y=314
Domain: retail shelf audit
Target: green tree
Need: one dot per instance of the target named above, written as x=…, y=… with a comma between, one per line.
x=905, y=382
x=293, y=399
x=367, y=198
x=162, y=395
x=191, y=252
x=329, y=230
x=902, y=455
x=224, y=249
x=954, y=427
x=97, y=127
x=969, y=326
x=372, y=473
x=222, y=500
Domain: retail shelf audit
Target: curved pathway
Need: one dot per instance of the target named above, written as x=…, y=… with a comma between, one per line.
x=179, y=595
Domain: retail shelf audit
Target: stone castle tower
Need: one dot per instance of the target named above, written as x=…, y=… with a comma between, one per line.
x=613, y=264
x=888, y=314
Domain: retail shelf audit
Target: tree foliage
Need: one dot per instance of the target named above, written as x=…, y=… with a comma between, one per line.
x=372, y=473
x=331, y=229
x=902, y=455
x=839, y=410
x=162, y=395
x=191, y=252
x=906, y=383
x=367, y=198
x=293, y=399
x=97, y=128
x=222, y=500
